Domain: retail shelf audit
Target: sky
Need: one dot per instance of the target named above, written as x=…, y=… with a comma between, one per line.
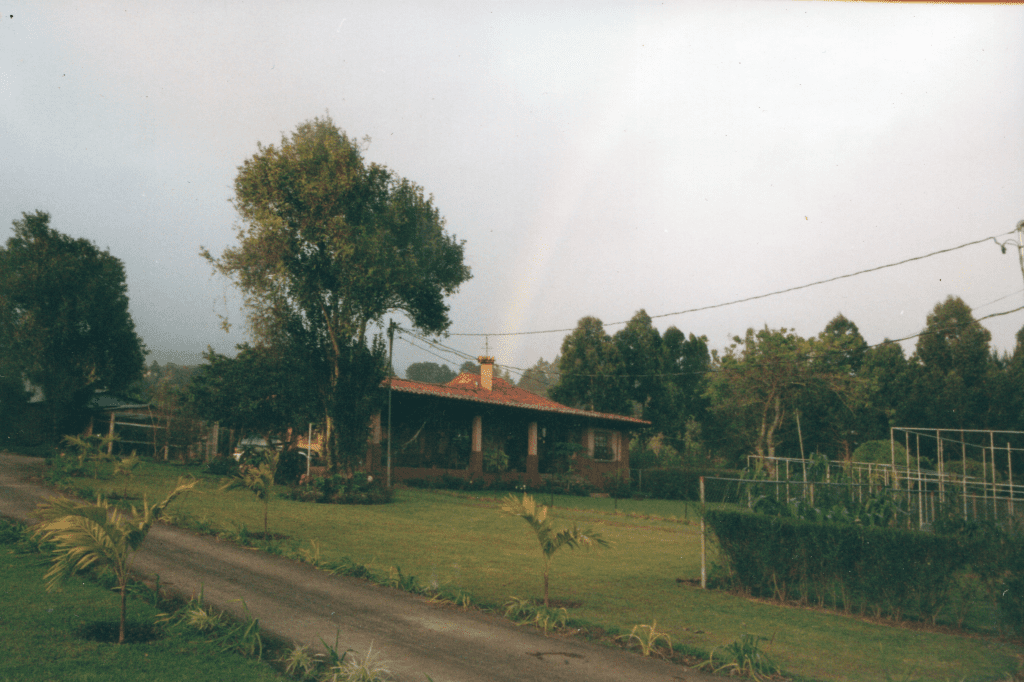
x=596, y=157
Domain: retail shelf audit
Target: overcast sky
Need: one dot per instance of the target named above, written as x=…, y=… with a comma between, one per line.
x=597, y=157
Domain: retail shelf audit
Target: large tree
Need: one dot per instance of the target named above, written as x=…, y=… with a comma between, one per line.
x=591, y=370
x=834, y=421
x=682, y=410
x=953, y=362
x=639, y=346
x=65, y=322
x=328, y=245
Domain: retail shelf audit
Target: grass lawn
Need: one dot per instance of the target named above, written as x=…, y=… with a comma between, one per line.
x=462, y=541
x=42, y=635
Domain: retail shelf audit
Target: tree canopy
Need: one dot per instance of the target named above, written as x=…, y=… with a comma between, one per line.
x=591, y=369
x=259, y=391
x=64, y=318
x=329, y=244
x=541, y=378
x=430, y=372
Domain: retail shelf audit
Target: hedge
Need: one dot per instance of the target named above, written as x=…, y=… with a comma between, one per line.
x=684, y=484
x=871, y=569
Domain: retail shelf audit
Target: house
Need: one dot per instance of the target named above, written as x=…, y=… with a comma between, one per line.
x=459, y=427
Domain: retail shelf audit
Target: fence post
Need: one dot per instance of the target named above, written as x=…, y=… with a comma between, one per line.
x=1009, y=468
x=703, y=541
x=110, y=433
x=963, y=448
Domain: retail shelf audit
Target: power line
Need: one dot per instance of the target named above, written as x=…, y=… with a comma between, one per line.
x=773, y=293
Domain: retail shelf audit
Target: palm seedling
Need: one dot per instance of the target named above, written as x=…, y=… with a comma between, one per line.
x=259, y=480
x=98, y=534
x=125, y=467
x=550, y=541
x=91, y=448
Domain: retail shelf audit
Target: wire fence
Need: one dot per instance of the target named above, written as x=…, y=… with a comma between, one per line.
x=917, y=496
x=166, y=437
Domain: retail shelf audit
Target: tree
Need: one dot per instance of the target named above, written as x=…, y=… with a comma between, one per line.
x=98, y=534
x=887, y=375
x=683, y=407
x=66, y=326
x=541, y=378
x=954, y=362
x=639, y=346
x=536, y=515
x=762, y=373
x=261, y=390
x=328, y=245
x=834, y=420
x=591, y=370
x=430, y=373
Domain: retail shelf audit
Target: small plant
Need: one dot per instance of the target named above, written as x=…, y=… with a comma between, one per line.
x=98, y=534
x=300, y=662
x=398, y=580
x=125, y=467
x=257, y=478
x=245, y=637
x=495, y=461
x=311, y=556
x=455, y=596
x=91, y=448
x=550, y=542
x=342, y=668
x=744, y=657
x=525, y=612
x=648, y=637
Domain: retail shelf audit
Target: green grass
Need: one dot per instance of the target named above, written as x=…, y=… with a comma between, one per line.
x=462, y=541
x=43, y=635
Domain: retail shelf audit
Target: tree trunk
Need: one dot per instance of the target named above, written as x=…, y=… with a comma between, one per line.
x=546, y=585
x=124, y=610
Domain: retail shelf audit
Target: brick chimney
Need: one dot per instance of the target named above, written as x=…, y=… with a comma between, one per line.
x=486, y=371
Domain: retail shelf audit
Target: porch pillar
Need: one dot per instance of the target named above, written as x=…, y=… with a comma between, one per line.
x=373, y=446
x=532, y=472
x=476, y=453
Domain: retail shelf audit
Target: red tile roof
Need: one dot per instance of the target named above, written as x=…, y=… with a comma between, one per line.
x=466, y=386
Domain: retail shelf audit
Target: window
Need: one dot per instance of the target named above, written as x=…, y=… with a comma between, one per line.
x=604, y=449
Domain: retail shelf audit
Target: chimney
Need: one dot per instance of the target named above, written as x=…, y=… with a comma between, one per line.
x=486, y=371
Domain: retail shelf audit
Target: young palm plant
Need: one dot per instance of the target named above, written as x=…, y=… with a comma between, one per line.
x=259, y=480
x=98, y=534
x=91, y=448
x=125, y=467
x=550, y=542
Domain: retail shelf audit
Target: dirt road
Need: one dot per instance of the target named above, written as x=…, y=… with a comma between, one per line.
x=300, y=604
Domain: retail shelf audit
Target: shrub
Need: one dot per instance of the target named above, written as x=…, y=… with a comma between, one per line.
x=884, y=570
x=290, y=467
x=359, y=488
x=684, y=484
x=225, y=467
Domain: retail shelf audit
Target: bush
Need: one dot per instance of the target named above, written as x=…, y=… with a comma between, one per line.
x=883, y=570
x=290, y=467
x=684, y=484
x=222, y=466
x=359, y=488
